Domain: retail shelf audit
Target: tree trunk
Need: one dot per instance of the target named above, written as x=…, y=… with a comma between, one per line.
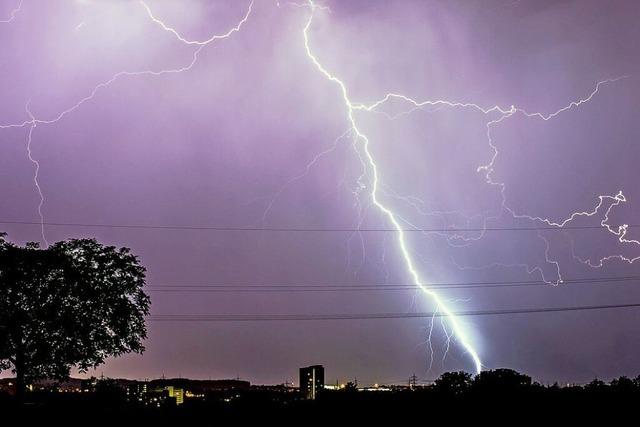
x=20, y=375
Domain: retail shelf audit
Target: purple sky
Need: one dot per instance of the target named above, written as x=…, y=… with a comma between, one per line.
x=231, y=142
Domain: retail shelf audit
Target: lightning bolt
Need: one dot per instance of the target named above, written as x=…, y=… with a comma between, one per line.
x=370, y=178
x=391, y=216
x=503, y=114
x=197, y=42
x=430, y=342
x=34, y=121
x=13, y=13
x=36, y=171
x=500, y=114
x=304, y=173
x=115, y=77
x=620, y=231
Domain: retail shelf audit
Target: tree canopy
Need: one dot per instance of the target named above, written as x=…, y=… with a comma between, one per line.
x=454, y=382
x=72, y=304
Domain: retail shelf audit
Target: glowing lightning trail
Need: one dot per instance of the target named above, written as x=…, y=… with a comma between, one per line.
x=370, y=173
x=33, y=121
x=197, y=42
x=488, y=170
x=391, y=216
x=36, y=172
x=117, y=76
x=304, y=173
x=12, y=14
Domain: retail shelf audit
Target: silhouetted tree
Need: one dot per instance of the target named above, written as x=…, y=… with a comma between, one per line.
x=108, y=390
x=503, y=380
x=623, y=385
x=453, y=382
x=350, y=386
x=73, y=304
x=596, y=385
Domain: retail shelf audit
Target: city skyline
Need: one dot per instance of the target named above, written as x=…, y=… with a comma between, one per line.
x=383, y=188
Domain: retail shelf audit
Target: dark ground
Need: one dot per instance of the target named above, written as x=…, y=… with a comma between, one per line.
x=548, y=405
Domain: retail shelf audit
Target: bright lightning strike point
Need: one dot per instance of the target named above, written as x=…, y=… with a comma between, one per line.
x=391, y=216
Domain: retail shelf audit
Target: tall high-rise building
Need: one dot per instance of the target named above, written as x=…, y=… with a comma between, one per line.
x=311, y=381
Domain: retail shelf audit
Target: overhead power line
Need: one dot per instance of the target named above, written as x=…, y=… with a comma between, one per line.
x=265, y=288
x=371, y=316
x=302, y=229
